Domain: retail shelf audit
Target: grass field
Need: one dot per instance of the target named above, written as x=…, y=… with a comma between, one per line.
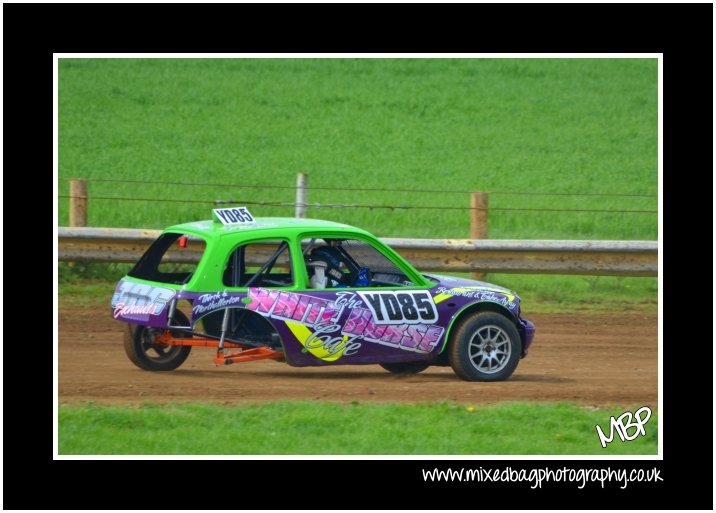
x=318, y=428
x=161, y=139
x=508, y=125
x=396, y=126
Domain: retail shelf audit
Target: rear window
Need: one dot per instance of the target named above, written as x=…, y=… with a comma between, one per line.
x=172, y=258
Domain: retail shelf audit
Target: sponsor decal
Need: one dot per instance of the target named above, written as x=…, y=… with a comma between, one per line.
x=132, y=299
x=325, y=342
x=493, y=295
x=421, y=338
x=289, y=306
x=331, y=329
x=208, y=302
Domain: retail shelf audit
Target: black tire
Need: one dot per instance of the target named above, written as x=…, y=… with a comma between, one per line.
x=485, y=347
x=139, y=346
x=405, y=367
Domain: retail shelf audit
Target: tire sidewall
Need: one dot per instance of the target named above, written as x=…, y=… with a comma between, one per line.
x=458, y=354
x=133, y=345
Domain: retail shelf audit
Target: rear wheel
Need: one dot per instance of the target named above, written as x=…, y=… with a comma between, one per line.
x=405, y=367
x=142, y=348
x=486, y=347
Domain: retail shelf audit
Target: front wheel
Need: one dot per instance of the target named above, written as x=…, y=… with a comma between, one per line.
x=405, y=367
x=486, y=347
x=143, y=350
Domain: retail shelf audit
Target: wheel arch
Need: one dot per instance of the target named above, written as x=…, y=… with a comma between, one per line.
x=213, y=319
x=484, y=306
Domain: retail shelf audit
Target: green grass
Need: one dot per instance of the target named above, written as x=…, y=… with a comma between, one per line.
x=335, y=428
x=557, y=126
x=578, y=294
x=536, y=125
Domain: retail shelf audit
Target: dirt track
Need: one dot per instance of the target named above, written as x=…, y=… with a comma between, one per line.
x=591, y=359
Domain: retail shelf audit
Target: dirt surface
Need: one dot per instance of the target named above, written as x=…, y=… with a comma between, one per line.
x=593, y=359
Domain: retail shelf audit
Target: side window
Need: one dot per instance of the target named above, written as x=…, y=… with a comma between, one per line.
x=172, y=258
x=259, y=264
x=340, y=263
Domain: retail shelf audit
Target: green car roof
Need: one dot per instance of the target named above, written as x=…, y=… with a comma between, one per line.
x=278, y=226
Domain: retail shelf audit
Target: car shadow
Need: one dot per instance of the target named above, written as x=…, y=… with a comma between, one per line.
x=427, y=377
x=541, y=378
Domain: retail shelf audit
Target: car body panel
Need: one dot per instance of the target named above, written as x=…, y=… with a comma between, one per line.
x=347, y=325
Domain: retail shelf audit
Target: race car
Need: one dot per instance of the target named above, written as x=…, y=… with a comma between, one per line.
x=309, y=292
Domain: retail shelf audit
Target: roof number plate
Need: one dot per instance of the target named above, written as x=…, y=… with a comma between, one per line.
x=233, y=216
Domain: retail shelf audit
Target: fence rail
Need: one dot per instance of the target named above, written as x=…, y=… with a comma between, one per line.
x=479, y=211
x=600, y=258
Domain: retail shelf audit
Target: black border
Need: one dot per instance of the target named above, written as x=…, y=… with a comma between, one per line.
x=683, y=33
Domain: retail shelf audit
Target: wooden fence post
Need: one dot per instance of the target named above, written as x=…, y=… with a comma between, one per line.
x=78, y=202
x=301, y=194
x=479, y=203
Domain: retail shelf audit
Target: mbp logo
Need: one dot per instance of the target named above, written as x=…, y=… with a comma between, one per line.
x=623, y=424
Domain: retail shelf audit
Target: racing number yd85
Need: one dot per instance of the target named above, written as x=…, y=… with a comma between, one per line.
x=234, y=215
x=401, y=307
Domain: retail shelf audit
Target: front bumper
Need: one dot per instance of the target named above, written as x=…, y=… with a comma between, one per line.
x=528, y=334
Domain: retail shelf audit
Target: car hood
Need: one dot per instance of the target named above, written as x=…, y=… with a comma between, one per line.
x=474, y=290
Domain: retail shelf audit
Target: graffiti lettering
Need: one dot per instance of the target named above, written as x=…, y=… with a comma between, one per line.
x=321, y=339
x=262, y=300
x=414, y=337
x=289, y=306
x=393, y=319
